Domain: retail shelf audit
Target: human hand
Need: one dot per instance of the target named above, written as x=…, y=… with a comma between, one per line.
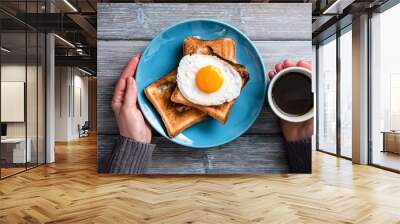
x=294, y=131
x=130, y=119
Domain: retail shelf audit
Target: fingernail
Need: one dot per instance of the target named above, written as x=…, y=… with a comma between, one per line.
x=279, y=67
x=287, y=63
x=136, y=57
x=271, y=74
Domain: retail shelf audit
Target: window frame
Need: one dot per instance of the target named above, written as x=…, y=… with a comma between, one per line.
x=335, y=36
x=381, y=9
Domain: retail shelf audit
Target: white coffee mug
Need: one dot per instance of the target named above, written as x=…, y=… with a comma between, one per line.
x=280, y=113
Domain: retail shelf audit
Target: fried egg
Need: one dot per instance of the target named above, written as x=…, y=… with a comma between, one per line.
x=207, y=80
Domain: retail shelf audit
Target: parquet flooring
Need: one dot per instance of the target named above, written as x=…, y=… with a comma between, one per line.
x=11, y=170
x=70, y=191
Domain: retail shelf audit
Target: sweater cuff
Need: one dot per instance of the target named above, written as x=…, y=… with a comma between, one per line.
x=299, y=156
x=130, y=156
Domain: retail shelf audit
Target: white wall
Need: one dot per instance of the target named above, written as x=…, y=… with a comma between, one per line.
x=17, y=73
x=12, y=73
x=71, y=102
x=13, y=101
x=62, y=81
x=81, y=89
x=33, y=126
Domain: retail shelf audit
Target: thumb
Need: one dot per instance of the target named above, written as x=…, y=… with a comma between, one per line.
x=130, y=93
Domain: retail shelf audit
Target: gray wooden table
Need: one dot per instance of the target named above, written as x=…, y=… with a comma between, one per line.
x=279, y=31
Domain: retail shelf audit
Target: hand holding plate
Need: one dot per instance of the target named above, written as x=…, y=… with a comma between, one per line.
x=130, y=119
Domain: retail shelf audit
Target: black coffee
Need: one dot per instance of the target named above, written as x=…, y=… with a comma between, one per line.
x=292, y=93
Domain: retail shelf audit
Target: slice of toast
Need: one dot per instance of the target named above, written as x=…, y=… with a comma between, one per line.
x=176, y=117
x=224, y=49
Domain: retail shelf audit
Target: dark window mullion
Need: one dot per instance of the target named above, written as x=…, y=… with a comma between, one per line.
x=26, y=87
x=338, y=94
x=317, y=96
x=37, y=91
x=369, y=78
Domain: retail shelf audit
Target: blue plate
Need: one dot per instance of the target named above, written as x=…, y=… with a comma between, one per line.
x=163, y=54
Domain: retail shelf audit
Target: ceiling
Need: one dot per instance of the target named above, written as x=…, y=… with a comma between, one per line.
x=72, y=20
x=19, y=54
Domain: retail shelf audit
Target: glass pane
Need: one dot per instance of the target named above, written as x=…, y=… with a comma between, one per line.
x=31, y=88
x=13, y=87
x=41, y=98
x=31, y=98
x=327, y=96
x=385, y=84
x=346, y=93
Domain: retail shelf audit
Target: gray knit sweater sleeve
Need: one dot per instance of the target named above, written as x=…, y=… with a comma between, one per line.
x=130, y=156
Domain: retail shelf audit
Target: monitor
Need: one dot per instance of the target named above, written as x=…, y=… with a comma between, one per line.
x=3, y=129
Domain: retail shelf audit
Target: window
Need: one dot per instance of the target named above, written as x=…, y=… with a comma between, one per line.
x=385, y=89
x=15, y=146
x=22, y=77
x=346, y=92
x=327, y=96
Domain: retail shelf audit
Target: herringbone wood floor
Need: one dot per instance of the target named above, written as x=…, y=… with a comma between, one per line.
x=70, y=191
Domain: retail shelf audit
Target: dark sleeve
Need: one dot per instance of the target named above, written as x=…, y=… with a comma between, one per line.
x=130, y=156
x=299, y=156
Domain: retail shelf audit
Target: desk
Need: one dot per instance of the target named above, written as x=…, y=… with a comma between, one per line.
x=391, y=141
x=13, y=150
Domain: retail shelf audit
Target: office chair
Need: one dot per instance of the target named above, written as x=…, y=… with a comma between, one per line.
x=84, y=130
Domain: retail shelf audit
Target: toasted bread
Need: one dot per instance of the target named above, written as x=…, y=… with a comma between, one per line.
x=224, y=49
x=176, y=117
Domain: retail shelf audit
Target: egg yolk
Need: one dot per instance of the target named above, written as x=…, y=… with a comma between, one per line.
x=209, y=79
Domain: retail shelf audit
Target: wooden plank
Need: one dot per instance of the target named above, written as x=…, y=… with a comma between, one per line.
x=113, y=56
x=250, y=154
x=259, y=21
x=253, y=154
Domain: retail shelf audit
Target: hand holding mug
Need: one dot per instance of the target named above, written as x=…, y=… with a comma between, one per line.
x=295, y=127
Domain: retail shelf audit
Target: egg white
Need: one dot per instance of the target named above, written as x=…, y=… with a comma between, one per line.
x=186, y=79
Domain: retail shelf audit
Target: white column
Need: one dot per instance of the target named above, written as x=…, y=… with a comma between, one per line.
x=50, y=99
x=50, y=91
x=360, y=90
